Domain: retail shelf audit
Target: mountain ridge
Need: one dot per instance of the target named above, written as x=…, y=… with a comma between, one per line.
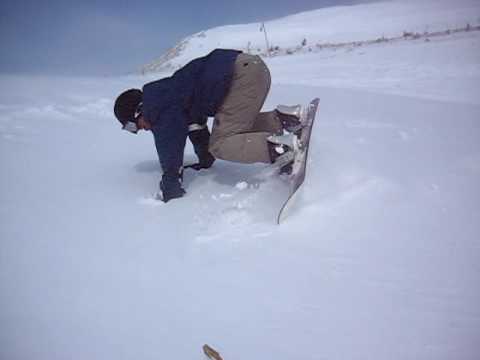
x=324, y=27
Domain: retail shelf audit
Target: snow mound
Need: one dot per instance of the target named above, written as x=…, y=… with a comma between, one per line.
x=342, y=24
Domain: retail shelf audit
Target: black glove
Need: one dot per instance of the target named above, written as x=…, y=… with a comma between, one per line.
x=171, y=187
x=200, y=140
x=205, y=162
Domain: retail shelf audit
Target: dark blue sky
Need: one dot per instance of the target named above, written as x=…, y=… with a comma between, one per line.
x=117, y=37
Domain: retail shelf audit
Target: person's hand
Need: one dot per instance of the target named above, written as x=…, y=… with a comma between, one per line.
x=170, y=190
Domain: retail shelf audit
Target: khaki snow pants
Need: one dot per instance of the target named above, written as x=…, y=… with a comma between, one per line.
x=240, y=130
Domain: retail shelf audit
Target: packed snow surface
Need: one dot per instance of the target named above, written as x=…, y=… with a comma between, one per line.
x=379, y=259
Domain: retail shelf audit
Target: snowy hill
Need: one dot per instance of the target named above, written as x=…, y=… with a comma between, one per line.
x=379, y=260
x=343, y=24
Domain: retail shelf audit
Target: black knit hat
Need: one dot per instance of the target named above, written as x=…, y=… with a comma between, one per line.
x=126, y=105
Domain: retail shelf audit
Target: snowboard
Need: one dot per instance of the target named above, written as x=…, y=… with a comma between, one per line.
x=301, y=144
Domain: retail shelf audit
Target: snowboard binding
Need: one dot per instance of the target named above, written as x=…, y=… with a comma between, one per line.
x=291, y=118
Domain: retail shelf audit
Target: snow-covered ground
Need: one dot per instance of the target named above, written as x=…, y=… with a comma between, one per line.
x=380, y=259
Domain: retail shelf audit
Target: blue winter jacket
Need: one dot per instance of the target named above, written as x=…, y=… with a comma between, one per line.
x=189, y=96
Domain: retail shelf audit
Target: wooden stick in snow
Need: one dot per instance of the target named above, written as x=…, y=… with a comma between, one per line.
x=210, y=353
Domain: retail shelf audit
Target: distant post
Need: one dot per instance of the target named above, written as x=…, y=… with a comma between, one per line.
x=264, y=29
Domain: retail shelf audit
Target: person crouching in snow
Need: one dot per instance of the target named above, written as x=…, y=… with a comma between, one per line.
x=230, y=86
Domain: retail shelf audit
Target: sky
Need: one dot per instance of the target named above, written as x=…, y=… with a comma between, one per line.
x=117, y=37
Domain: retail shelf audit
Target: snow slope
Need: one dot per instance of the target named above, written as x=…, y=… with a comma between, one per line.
x=333, y=25
x=380, y=260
